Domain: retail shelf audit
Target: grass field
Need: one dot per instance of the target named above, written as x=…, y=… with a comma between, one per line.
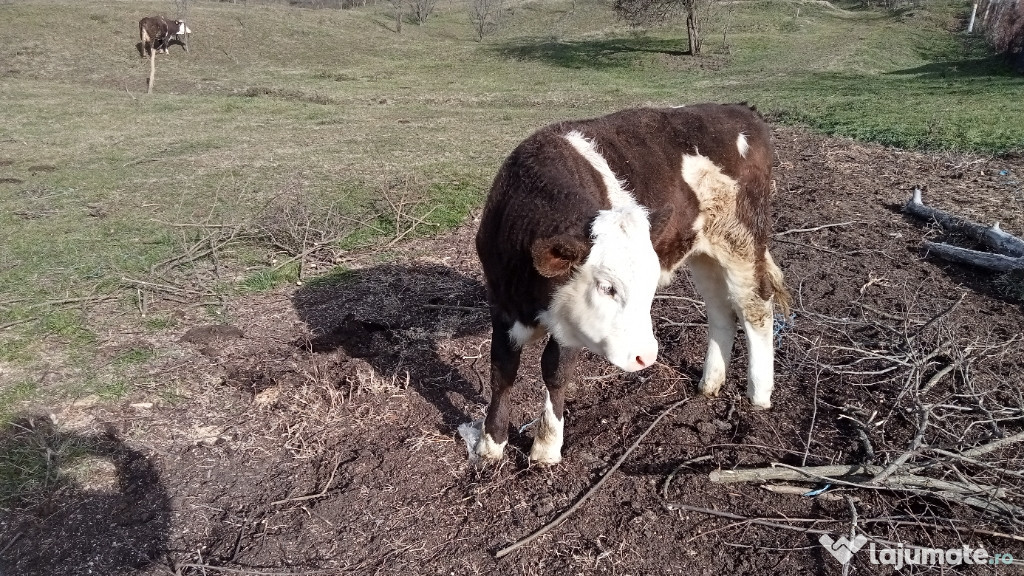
x=291, y=126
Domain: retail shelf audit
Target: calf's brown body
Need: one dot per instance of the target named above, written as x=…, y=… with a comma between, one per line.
x=704, y=175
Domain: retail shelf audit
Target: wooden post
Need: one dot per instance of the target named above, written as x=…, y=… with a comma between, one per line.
x=152, y=68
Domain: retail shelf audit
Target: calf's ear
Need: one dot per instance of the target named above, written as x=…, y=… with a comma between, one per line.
x=557, y=255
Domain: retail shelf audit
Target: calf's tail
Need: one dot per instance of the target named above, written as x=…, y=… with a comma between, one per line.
x=778, y=286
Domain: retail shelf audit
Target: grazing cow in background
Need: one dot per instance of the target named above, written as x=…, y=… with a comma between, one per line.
x=156, y=33
x=586, y=219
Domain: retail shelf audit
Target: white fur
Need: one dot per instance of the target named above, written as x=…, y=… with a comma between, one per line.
x=742, y=145
x=582, y=315
x=761, y=367
x=616, y=188
x=706, y=179
x=710, y=283
x=722, y=266
x=488, y=449
x=547, y=444
x=520, y=334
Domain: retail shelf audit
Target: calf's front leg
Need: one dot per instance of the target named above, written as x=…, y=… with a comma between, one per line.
x=557, y=364
x=505, y=356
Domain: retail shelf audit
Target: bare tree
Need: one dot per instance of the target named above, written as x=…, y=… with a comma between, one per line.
x=648, y=13
x=422, y=9
x=398, y=6
x=1003, y=25
x=485, y=15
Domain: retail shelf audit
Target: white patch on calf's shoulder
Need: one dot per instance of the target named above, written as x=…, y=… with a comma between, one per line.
x=614, y=186
x=720, y=232
x=742, y=145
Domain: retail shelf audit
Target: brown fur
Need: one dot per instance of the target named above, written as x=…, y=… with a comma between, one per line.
x=545, y=189
x=708, y=205
x=156, y=33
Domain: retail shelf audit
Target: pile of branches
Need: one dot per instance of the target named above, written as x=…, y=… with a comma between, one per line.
x=929, y=425
x=295, y=234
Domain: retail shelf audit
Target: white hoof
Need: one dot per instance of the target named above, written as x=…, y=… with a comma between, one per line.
x=545, y=454
x=488, y=450
x=709, y=388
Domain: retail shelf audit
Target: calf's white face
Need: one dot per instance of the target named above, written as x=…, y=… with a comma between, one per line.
x=606, y=304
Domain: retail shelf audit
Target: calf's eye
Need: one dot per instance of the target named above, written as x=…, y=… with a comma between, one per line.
x=606, y=289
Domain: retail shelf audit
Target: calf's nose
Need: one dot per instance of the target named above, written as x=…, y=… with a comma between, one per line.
x=644, y=358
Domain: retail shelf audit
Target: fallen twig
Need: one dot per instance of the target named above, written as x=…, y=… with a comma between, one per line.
x=593, y=489
x=779, y=523
x=320, y=494
x=815, y=229
x=766, y=522
x=12, y=541
x=859, y=475
x=158, y=287
x=664, y=488
x=915, y=444
x=16, y=323
x=994, y=445
x=253, y=572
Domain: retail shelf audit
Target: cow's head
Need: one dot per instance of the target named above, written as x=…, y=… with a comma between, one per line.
x=605, y=301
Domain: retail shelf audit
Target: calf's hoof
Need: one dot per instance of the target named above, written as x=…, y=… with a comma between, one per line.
x=709, y=389
x=488, y=450
x=545, y=455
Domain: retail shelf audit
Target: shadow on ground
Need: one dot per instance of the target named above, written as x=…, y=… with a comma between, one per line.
x=589, y=54
x=986, y=67
x=77, y=504
x=394, y=317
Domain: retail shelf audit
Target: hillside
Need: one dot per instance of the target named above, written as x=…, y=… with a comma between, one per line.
x=241, y=318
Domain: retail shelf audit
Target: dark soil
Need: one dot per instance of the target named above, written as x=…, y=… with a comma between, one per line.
x=315, y=428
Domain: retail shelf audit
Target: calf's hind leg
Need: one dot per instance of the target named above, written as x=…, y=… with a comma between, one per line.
x=709, y=279
x=731, y=292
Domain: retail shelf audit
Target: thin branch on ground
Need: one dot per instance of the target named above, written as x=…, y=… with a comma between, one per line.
x=593, y=489
x=320, y=494
x=815, y=229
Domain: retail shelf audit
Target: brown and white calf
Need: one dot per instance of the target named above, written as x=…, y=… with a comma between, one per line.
x=156, y=33
x=586, y=219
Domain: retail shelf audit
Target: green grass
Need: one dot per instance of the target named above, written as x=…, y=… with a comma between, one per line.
x=134, y=356
x=337, y=276
x=329, y=110
x=36, y=460
x=12, y=395
x=270, y=278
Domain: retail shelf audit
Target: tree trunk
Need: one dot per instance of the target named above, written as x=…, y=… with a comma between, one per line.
x=692, y=33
